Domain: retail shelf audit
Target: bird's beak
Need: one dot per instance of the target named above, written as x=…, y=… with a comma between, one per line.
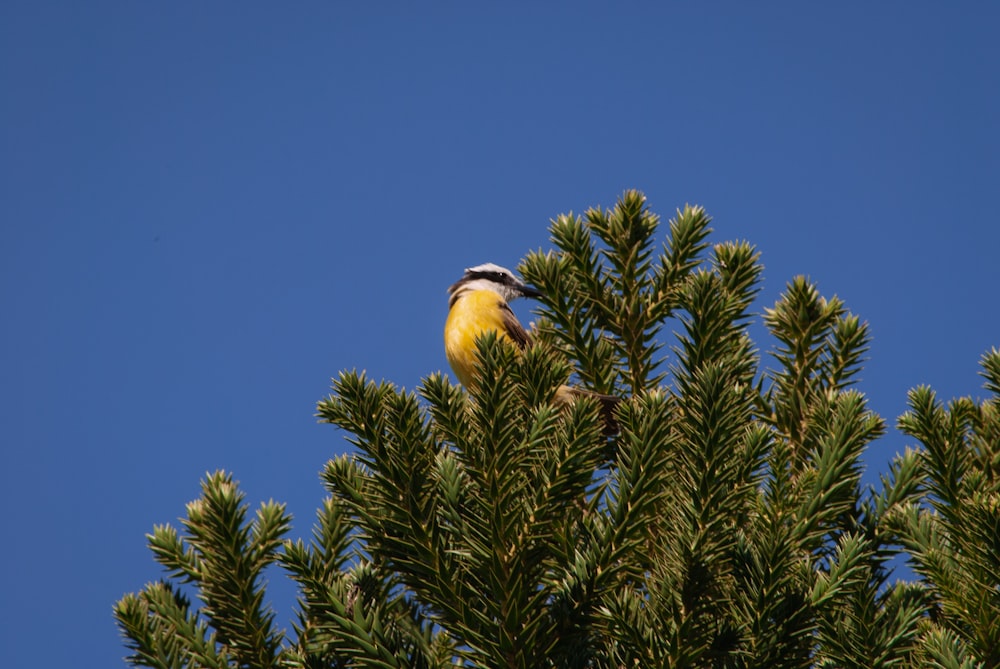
x=529, y=291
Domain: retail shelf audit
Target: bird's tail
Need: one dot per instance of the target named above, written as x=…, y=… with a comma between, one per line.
x=606, y=404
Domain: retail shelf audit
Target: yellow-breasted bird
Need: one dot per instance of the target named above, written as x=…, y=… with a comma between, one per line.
x=478, y=303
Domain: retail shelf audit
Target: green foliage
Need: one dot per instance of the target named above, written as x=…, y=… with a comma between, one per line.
x=223, y=555
x=952, y=530
x=724, y=525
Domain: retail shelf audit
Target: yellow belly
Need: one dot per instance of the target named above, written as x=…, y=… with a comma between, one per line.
x=472, y=315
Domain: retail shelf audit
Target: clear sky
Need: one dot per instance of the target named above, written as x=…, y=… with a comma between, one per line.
x=209, y=209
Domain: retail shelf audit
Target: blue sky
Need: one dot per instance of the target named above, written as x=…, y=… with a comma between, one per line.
x=208, y=210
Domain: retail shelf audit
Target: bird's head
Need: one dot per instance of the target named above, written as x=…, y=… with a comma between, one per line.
x=488, y=276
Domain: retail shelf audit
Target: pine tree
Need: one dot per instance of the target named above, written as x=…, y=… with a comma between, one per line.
x=724, y=525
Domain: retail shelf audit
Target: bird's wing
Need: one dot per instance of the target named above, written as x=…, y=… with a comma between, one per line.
x=513, y=328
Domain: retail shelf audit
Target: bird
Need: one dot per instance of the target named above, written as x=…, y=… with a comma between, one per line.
x=479, y=303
